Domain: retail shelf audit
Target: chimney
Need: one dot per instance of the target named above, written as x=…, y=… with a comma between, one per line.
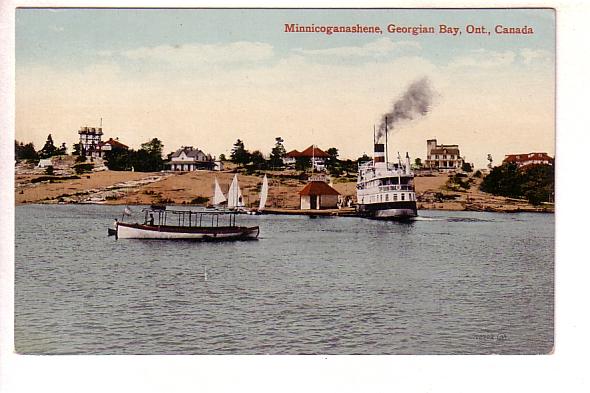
x=430, y=145
x=379, y=154
x=407, y=164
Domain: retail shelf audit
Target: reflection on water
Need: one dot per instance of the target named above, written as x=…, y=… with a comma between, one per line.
x=447, y=283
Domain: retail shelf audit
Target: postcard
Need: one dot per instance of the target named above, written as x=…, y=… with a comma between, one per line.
x=272, y=181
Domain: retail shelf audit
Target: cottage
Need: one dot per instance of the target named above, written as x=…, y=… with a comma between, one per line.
x=316, y=155
x=44, y=163
x=442, y=157
x=522, y=160
x=318, y=195
x=103, y=147
x=188, y=158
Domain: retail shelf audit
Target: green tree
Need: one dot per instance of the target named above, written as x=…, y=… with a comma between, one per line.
x=467, y=167
x=118, y=159
x=503, y=180
x=239, y=155
x=48, y=149
x=535, y=183
x=418, y=162
x=153, y=147
x=257, y=159
x=278, y=153
x=25, y=151
x=62, y=151
x=364, y=158
x=332, y=161
x=222, y=157
x=302, y=163
x=77, y=149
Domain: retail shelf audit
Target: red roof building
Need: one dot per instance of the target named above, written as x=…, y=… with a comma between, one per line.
x=529, y=159
x=314, y=153
x=103, y=147
x=318, y=195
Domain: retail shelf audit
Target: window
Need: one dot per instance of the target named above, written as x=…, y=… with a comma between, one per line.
x=394, y=197
x=403, y=196
x=386, y=197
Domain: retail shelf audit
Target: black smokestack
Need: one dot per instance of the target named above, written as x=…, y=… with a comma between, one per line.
x=415, y=102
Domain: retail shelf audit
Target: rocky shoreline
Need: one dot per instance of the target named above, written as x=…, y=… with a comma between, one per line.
x=101, y=186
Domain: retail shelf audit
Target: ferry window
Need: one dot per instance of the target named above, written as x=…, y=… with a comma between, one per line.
x=403, y=196
x=386, y=197
x=395, y=197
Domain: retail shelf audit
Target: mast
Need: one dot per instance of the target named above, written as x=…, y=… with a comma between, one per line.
x=386, y=155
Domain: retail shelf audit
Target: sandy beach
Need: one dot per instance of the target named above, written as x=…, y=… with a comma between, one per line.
x=113, y=187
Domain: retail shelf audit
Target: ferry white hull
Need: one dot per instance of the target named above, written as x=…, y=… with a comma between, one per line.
x=394, y=214
x=388, y=211
x=138, y=231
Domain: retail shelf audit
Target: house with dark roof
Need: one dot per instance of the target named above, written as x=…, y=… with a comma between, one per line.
x=522, y=160
x=188, y=158
x=442, y=157
x=318, y=195
x=103, y=147
x=316, y=155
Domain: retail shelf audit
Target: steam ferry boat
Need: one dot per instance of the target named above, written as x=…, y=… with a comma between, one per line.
x=386, y=190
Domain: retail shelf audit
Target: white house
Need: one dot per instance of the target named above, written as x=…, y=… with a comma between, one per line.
x=188, y=158
x=44, y=163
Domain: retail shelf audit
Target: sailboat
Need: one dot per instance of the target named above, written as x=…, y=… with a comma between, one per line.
x=263, y=197
x=235, y=201
x=263, y=194
x=218, y=197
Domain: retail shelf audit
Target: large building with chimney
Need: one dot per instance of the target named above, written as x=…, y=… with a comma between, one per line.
x=442, y=157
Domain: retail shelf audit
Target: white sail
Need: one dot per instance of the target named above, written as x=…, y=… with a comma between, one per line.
x=218, y=197
x=263, y=193
x=234, y=195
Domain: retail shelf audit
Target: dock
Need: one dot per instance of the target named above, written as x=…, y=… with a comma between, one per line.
x=344, y=212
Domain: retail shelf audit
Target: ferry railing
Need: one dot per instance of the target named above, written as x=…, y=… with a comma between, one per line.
x=396, y=187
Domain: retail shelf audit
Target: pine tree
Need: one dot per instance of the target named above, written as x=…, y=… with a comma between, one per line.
x=48, y=149
x=278, y=153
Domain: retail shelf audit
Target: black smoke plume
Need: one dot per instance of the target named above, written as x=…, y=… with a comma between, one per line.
x=415, y=102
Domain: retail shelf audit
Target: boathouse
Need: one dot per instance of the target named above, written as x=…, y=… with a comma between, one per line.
x=318, y=195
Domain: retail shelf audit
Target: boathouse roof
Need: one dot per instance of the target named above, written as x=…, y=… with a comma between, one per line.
x=318, y=188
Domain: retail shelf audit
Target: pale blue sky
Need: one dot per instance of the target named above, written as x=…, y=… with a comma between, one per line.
x=73, y=37
x=206, y=77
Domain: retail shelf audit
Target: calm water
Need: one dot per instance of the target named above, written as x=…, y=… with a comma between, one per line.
x=449, y=283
